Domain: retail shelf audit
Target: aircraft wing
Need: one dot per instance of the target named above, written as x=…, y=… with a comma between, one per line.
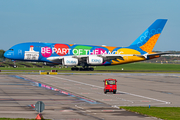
x=59, y=59
x=55, y=59
x=147, y=55
x=109, y=57
x=106, y=57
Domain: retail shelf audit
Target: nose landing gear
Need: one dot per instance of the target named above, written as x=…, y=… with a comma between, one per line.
x=14, y=64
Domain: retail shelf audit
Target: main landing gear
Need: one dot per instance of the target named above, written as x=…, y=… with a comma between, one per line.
x=82, y=69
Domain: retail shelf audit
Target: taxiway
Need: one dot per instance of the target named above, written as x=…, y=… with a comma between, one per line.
x=74, y=96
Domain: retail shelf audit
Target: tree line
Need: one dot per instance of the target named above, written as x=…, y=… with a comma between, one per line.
x=2, y=53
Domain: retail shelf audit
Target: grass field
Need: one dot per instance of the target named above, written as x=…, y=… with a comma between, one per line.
x=143, y=66
x=166, y=113
x=139, y=67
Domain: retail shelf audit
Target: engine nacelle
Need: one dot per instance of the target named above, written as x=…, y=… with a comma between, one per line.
x=70, y=61
x=92, y=60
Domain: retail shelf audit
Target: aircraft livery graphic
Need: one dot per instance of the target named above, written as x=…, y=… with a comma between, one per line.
x=90, y=55
x=31, y=54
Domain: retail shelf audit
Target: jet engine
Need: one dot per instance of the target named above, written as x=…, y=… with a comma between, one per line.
x=93, y=60
x=70, y=61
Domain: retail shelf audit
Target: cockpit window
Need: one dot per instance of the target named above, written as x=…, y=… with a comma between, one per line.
x=11, y=49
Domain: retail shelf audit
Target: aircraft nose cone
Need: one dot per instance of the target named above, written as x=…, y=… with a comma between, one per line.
x=6, y=54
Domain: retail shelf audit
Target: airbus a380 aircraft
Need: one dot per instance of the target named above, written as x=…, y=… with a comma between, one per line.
x=90, y=55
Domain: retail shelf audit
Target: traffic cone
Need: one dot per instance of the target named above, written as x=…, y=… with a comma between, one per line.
x=39, y=117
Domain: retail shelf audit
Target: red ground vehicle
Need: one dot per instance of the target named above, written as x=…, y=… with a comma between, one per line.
x=110, y=85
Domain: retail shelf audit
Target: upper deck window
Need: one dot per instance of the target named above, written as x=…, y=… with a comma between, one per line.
x=11, y=49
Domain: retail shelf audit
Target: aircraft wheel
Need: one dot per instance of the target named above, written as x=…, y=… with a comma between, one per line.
x=92, y=69
x=86, y=69
x=74, y=68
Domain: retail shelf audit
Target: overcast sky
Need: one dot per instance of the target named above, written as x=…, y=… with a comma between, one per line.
x=92, y=22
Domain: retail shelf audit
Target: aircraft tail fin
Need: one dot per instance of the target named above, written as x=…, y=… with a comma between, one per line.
x=147, y=40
